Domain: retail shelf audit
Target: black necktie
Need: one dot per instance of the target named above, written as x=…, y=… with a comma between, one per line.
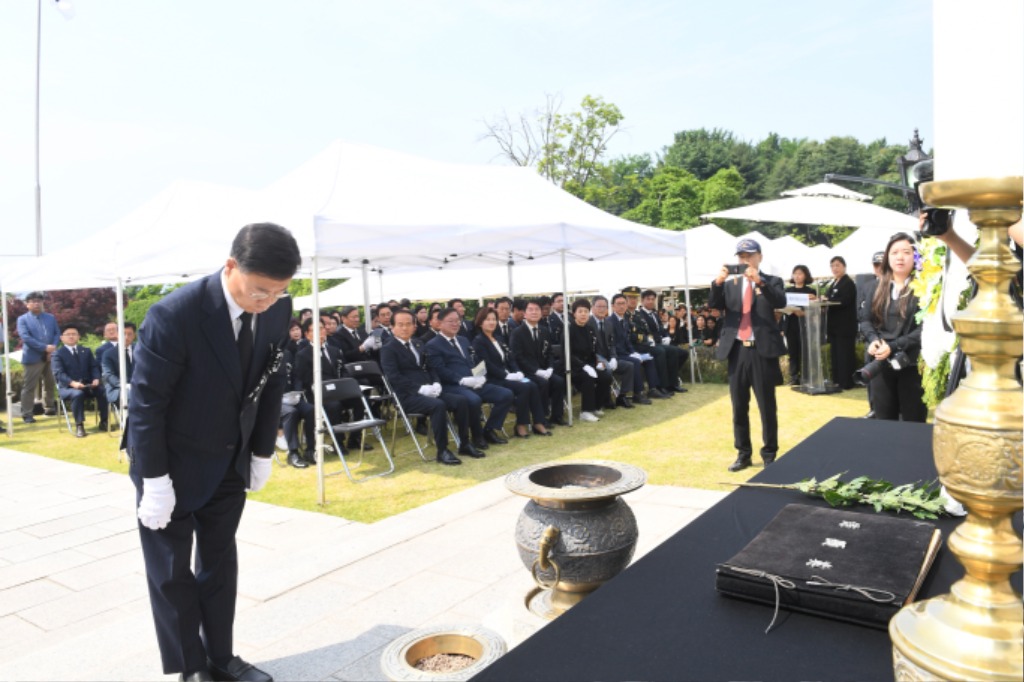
x=245, y=344
x=455, y=345
x=600, y=326
x=535, y=335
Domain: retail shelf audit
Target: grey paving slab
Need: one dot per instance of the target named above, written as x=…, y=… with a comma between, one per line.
x=320, y=596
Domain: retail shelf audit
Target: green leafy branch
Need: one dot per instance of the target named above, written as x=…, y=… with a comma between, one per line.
x=923, y=500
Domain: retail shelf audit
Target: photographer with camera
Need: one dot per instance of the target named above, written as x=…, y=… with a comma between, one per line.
x=894, y=338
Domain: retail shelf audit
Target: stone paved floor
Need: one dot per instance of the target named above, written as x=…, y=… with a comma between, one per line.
x=320, y=597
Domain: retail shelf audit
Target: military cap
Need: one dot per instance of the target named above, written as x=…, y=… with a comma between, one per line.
x=631, y=291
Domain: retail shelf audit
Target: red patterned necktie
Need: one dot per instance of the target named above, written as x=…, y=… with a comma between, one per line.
x=748, y=301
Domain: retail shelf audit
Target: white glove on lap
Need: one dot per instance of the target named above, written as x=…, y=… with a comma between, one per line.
x=514, y=376
x=665, y=341
x=646, y=357
x=480, y=381
x=437, y=389
x=591, y=371
x=427, y=390
x=637, y=356
x=468, y=381
x=259, y=473
x=614, y=364
x=157, y=502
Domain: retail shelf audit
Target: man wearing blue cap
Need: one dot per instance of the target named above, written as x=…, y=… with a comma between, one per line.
x=751, y=341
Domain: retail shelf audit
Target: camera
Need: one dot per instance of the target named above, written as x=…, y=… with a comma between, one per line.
x=864, y=375
x=736, y=269
x=938, y=219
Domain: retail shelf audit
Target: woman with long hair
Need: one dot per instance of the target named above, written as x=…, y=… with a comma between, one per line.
x=793, y=323
x=894, y=336
x=841, y=325
x=502, y=370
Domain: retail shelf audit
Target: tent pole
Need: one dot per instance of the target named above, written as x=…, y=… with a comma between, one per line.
x=366, y=299
x=7, y=367
x=565, y=331
x=511, y=294
x=380, y=284
x=689, y=327
x=318, y=395
x=122, y=362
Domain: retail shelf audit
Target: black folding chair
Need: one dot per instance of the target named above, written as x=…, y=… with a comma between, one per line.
x=341, y=390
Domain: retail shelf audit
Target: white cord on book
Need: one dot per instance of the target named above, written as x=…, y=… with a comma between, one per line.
x=818, y=581
x=776, y=580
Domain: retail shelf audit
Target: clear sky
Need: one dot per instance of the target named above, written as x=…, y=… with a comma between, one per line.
x=139, y=93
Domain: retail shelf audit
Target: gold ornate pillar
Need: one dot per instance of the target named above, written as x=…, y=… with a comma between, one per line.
x=975, y=632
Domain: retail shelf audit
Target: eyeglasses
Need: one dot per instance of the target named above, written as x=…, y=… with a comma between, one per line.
x=263, y=296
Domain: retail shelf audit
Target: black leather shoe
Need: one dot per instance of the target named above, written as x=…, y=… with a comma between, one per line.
x=624, y=401
x=561, y=421
x=29, y=419
x=471, y=450
x=296, y=460
x=740, y=464
x=80, y=431
x=198, y=676
x=353, y=444
x=869, y=415
x=667, y=394
x=641, y=399
x=237, y=669
x=310, y=457
x=446, y=456
x=680, y=389
x=492, y=436
x=103, y=426
x=480, y=444
x=610, y=405
x=541, y=433
x=656, y=394
x=768, y=459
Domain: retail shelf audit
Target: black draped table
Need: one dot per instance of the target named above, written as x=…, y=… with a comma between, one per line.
x=662, y=619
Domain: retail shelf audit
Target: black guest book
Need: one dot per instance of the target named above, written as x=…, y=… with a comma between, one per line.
x=860, y=567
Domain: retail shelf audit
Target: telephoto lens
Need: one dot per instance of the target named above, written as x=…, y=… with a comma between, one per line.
x=864, y=375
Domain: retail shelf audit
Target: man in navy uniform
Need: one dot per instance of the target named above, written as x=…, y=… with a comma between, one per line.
x=110, y=364
x=204, y=409
x=78, y=377
x=751, y=342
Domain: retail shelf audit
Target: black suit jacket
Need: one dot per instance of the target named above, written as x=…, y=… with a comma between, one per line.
x=907, y=337
x=405, y=374
x=842, y=318
x=623, y=346
x=605, y=338
x=728, y=297
x=78, y=367
x=188, y=392
x=350, y=346
x=448, y=364
x=302, y=373
x=497, y=366
x=530, y=356
x=110, y=372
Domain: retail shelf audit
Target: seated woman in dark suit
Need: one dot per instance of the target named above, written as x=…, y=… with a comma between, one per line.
x=591, y=377
x=502, y=370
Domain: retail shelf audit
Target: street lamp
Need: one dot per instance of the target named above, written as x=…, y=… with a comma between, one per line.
x=914, y=156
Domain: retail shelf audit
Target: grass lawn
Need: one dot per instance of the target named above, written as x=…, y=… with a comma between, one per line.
x=685, y=441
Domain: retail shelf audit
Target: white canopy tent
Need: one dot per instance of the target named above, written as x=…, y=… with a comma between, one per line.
x=821, y=210
x=826, y=189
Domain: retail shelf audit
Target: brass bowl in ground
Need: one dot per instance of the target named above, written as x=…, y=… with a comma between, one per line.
x=398, y=662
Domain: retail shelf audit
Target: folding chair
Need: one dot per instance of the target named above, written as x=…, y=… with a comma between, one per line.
x=65, y=411
x=340, y=390
x=371, y=378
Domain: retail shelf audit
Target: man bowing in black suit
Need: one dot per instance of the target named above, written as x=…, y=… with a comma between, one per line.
x=751, y=342
x=204, y=409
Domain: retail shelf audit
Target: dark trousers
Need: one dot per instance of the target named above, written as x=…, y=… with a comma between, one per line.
x=437, y=410
x=638, y=375
x=195, y=612
x=552, y=395
x=594, y=393
x=499, y=397
x=898, y=395
x=77, y=397
x=748, y=370
x=793, y=345
x=844, y=359
x=302, y=411
x=527, y=399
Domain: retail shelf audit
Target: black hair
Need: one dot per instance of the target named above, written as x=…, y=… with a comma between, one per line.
x=69, y=325
x=616, y=297
x=503, y=299
x=599, y=297
x=446, y=312
x=347, y=310
x=519, y=304
x=404, y=311
x=451, y=303
x=838, y=258
x=539, y=302
x=883, y=297
x=580, y=303
x=807, y=273
x=648, y=292
x=266, y=249
x=305, y=325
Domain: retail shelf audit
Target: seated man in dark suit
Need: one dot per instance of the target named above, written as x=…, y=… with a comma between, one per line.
x=109, y=341
x=506, y=325
x=531, y=349
x=331, y=365
x=355, y=343
x=465, y=326
x=419, y=390
x=450, y=358
x=110, y=366
x=667, y=357
x=605, y=334
x=643, y=364
x=78, y=378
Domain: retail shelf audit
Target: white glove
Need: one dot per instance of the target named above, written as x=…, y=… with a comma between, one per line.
x=637, y=356
x=480, y=381
x=614, y=364
x=437, y=388
x=646, y=357
x=259, y=473
x=514, y=376
x=591, y=371
x=157, y=502
x=665, y=341
x=545, y=373
x=650, y=342
x=468, y=381
x=427, y=390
